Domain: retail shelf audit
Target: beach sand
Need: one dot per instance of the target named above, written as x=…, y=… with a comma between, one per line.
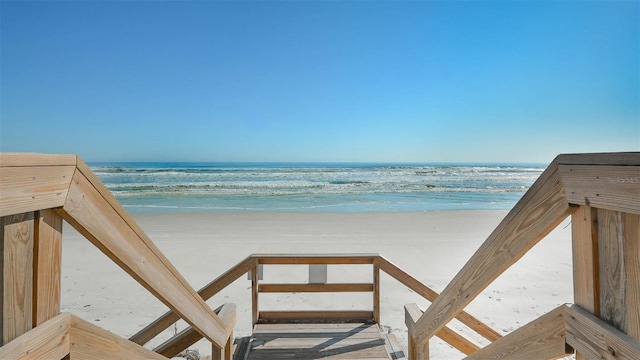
x=431, y=246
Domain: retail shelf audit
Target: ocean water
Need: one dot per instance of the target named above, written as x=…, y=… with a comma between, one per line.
x=213, y=187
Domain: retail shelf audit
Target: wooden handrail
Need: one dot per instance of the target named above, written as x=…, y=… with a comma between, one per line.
x=609, y=181
x=377, y=260
x=163, y=322
x=539, y=211
x=189, y=336
x=36, y=182
x=430, y=295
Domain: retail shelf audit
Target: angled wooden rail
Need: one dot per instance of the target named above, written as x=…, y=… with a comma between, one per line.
x=36, y=193
x=378, y=262
x=605, y=187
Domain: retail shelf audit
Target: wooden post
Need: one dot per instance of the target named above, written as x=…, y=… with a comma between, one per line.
x=16, y=257
x=254, y=295
x=418, y=352
x=222, y=354
x=586, y=281
x=619, y=249
x=46, y=270
x=376, y=294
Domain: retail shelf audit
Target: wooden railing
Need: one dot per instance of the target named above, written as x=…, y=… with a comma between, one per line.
x=601, y=193
x=251, y=264
x=36, y=193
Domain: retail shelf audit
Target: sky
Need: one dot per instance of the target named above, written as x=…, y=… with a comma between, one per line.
x=320, y=81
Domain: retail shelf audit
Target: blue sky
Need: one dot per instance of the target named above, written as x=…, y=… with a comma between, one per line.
x=495, y=81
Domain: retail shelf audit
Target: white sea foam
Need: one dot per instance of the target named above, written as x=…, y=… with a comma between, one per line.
x=304, y=187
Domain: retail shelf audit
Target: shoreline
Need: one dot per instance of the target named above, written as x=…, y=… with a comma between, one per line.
x=431, y=246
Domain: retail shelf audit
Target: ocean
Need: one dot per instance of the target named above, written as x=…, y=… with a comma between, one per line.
x=315, y=187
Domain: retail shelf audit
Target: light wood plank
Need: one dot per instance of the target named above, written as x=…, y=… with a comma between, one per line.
x=586, y=280
x=91, y=342
x=337, y=341
x=312, y=259
x=543, y=338
x=206, y=292
x=429, y=294
x=47, y=273
x=318, y=316
x=30, y=159
x=619, y=158
x=586, y=275
x=50, y=340
x=607, y=187
x=597, y=339
x=24, y=189
x=539, y=211
x=631, y=234
x=111, y=230
x=312, y=288
x=612, y=274
x=16, y=235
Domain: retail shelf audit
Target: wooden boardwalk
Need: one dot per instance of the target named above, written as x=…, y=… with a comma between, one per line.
x=314, y=341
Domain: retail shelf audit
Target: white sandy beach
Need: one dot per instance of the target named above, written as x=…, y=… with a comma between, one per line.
x=431, y=246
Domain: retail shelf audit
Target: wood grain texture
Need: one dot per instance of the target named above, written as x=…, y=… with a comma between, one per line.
x=29, y=159
x=631, y=234
x=543, y=338
x=539, y=211
x=206, y=292
x=429, y=294
x=47, y=266
x=50, y=340
x=16, y=235
x=24, y=189
x=586, y=279
x=112, y=231
x=612, y=274
x=91, y=342
x=596, y=339
x=603, y=186
x=586, y=273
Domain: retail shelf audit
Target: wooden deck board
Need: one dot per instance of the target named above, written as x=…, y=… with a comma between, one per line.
x=314, y=341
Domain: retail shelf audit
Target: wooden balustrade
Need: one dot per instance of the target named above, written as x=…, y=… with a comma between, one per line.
x=36, y=193
x=601, y=193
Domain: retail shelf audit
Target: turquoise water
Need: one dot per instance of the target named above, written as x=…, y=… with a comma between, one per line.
x=211, y=187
